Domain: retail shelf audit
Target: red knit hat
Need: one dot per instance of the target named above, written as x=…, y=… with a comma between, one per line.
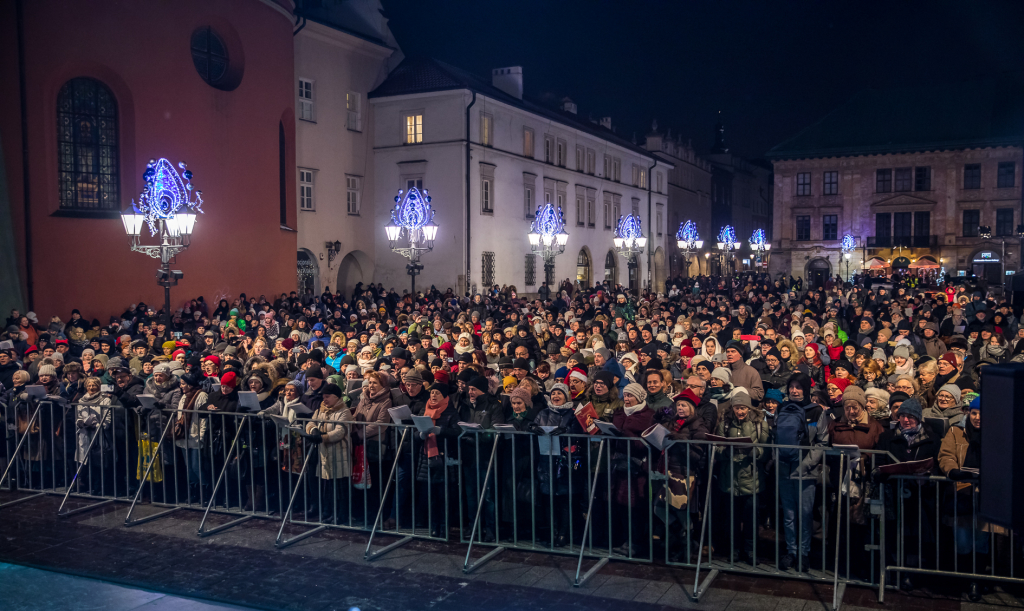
x=229, y=379
x=840, y=383
x=687, y=395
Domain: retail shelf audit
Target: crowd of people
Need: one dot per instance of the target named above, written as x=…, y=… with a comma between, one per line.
x=893, y=372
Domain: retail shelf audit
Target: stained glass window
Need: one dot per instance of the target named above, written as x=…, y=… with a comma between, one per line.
x=87, y=146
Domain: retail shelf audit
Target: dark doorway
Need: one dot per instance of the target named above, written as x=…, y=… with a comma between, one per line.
x=818, y=272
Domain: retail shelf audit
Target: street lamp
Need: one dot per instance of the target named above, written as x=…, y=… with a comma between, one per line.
x=548, y=237
x=167, y=206
x=629, y=237
x=848, y=244
x=412, y=223
x=727, y=244
x=759, y=245
x=688, y=241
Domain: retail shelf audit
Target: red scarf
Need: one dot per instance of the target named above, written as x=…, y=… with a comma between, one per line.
x=433, y=410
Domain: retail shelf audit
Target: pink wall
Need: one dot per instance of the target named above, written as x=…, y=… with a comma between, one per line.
x=229, y=139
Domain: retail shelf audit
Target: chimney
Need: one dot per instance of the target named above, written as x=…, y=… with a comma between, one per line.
x=509, y=80
x=568, y=105
x=606, y=122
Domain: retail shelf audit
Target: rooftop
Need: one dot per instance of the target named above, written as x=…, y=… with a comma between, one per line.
x=425, y=74
x=972, y=114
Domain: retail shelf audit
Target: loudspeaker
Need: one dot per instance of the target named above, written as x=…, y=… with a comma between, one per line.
x=1002, y=450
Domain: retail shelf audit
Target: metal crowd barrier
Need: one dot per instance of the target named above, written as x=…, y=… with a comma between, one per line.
x=600, y=498
x=937, y=531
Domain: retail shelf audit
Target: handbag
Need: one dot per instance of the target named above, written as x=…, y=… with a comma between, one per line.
x=360, y=469
x=147, y=455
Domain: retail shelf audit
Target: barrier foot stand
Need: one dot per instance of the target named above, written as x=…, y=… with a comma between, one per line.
x=837, y=597
x=371, y=556
x=128, y=521
x=280, y=543
x=579, y=581
x=11, y=463
x=466, y=566
x=213, y=494
x=65, y=514
x=223, y=527
x=22, y=499
x=88, y=452
x=700, y=587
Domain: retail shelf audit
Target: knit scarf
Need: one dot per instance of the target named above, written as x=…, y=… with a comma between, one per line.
x=433, y=410
x=634, y=409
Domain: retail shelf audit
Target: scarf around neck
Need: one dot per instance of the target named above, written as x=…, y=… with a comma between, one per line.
x=433, y=410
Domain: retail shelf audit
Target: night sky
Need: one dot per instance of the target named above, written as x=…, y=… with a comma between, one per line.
x=771, y=67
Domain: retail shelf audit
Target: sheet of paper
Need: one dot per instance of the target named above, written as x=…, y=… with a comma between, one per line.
x=400, y=414
x=147, y=401
x=248, y=400
x=424, y=424
x=547, y=444
x=36, y=391
x=607, y=428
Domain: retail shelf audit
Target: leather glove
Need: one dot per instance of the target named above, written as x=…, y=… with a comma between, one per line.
x=315, y=436
x=958, y=476
x=559, y=431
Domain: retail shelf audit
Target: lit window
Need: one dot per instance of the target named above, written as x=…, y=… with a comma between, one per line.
x=486, y=130
x=353, y=107
x=352, y=189
x=528, y=142
x=413, y=129
x=486, y=195
x=306, y=100
x=306, y=201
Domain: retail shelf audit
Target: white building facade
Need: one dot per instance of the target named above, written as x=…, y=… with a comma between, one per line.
x=488, y=158
x=340, y=56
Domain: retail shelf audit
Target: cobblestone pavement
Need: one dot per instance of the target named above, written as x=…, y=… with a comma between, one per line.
x=327, y=571
x=27, y=589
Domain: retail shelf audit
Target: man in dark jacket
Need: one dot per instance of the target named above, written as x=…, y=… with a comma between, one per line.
x=484, y=409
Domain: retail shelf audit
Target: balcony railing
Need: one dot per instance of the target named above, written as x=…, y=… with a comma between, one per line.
x=904, y=241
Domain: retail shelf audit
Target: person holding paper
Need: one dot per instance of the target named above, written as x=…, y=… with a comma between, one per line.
x=330, y=430
x=629, y=460
x=191, y=434
x=739, y=474
x=478, y=406
x=430, y=464
x=370, y=412
x=553, y=472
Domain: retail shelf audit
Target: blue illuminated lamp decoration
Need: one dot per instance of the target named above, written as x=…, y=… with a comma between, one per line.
x=758, y=242
x=848, y=243
x=547, y=233
x=629, y=236
x=687, y=237
x=413, y=217
x=727, y=239
x=165, y=195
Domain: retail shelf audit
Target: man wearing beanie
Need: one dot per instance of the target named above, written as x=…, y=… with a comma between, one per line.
x=604, y=359
x=856, y=427
x=742, y=374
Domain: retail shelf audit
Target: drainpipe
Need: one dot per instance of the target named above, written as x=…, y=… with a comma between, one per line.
x=29, y=282
x=469, y=194
x=651, y=230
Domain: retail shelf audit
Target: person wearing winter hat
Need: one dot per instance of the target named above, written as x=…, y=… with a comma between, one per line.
x=856, y=427
x=947, y=405
x=878, y=404
x=604, y=395
x=327, y=426
x=910, y=407
x=835, y=389
x=773, y=398
x=521, y=403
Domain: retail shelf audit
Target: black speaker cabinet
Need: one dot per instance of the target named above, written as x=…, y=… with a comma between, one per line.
x=1002, y=448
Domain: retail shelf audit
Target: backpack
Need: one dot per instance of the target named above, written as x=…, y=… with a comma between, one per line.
x=791, y=430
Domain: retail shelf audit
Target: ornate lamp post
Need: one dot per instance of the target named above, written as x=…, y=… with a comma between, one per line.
x=167, y=206
x=629, y=239
x=760, y=245
x=727, y=244
x=688, y=241
x=412, y=223
x=548, y=237
x=848, y=244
